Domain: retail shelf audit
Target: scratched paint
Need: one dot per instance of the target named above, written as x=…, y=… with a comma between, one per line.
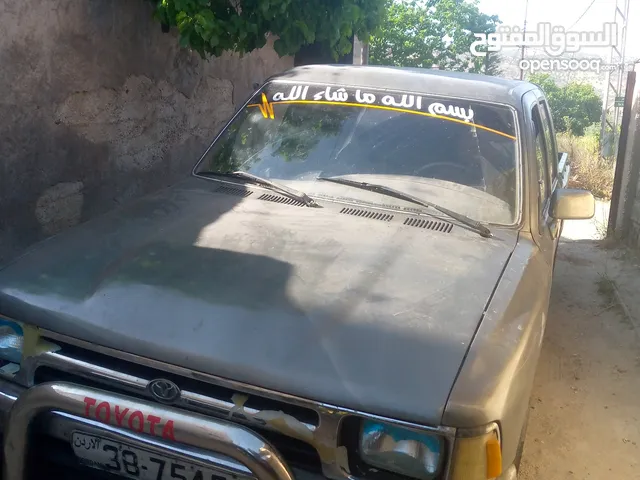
x=286, y=424
x=238, y=400
x=294, y=428
x=33, y=344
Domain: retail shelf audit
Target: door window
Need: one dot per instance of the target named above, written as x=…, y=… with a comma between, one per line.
x=552, y=155
x=542, y=166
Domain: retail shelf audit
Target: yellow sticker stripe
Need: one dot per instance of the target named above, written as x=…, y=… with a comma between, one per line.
x=266, y=108
x=378, y=107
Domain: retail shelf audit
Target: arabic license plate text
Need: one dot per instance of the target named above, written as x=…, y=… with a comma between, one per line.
x=132, y=462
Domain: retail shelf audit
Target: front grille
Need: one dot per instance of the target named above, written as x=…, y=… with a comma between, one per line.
x=298, y=454
x=185, y=383
x=117, y=372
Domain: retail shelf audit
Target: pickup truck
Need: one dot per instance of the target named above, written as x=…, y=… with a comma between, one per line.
x=353, y=283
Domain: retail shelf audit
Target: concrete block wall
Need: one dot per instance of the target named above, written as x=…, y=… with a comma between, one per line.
x=98, y=106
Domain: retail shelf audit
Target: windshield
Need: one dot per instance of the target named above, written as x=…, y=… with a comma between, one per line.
x=458, y=154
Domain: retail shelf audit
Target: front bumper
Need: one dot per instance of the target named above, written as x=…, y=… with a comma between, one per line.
x=239, y=450
x=201, y=440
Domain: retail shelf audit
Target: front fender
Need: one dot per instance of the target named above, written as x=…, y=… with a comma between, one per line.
x=495, y=381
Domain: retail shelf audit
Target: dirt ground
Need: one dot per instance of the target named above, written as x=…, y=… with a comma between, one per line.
x=585, y=407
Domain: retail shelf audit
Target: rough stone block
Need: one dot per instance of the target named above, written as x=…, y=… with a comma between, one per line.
x=60, y=207
x=105, y=109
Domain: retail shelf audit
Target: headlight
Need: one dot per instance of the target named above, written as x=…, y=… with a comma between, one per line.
x=399, y=450
x=11, y=342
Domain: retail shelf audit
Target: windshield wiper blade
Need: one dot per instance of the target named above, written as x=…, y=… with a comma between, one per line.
x=373, y=187
x=276, y=187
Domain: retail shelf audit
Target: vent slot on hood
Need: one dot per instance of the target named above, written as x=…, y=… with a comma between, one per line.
x=443, y=227
x=237, y=191
x=279, y=199
x=359, y=212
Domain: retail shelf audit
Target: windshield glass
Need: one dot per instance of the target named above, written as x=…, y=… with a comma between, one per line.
x=458, y=154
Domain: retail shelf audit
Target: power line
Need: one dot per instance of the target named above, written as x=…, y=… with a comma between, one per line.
x=611, y=112
x=583, y=14
x=524, y=30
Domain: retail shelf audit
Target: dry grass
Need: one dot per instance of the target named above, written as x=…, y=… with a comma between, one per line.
x=588, y=170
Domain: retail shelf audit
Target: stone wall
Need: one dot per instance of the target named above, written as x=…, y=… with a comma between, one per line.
x=633, y=236
x=98, y=106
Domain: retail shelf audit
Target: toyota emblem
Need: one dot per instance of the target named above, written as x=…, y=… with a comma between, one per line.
x=164, y=391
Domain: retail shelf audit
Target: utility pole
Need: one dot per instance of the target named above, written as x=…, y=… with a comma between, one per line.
x=524, y=31
x=360, y=52
x=611, y=100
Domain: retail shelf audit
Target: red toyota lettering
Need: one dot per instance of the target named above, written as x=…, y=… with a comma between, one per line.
x=88, y=403
x=153, y=421
x=167, y=431
x=120, y=415
x=140, y=416
x=107, y=412
x=135, y=420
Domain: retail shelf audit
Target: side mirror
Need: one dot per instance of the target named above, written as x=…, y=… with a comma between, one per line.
x=570, y=204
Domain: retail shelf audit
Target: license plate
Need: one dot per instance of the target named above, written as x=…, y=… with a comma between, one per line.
x=132, y=462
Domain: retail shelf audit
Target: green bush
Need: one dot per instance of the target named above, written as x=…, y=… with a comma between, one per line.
x=211, y=27
x=593, y=131
x=574, y=107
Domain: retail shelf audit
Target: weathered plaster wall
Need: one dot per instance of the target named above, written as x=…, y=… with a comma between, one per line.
x=633, y=238
x=98, y=106
x=626, y=216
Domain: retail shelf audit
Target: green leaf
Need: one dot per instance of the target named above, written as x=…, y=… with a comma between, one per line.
x=184, y=41
x=412, y=34
x=309, y=36
x=181, y=17
x=211, y=27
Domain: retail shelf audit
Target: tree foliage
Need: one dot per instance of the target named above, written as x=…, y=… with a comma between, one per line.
x=427, y=33
x=574, y=106
x=211, y=27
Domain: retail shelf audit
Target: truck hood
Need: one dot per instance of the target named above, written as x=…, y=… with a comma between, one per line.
x=362, y=313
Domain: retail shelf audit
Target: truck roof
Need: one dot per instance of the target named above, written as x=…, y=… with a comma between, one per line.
x=415, y=80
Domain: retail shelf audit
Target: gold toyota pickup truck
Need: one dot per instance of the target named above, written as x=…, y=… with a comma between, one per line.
x=352, y=284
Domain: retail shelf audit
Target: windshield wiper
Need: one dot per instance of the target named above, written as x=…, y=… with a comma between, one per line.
x=372, y=187
x=276, y=187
